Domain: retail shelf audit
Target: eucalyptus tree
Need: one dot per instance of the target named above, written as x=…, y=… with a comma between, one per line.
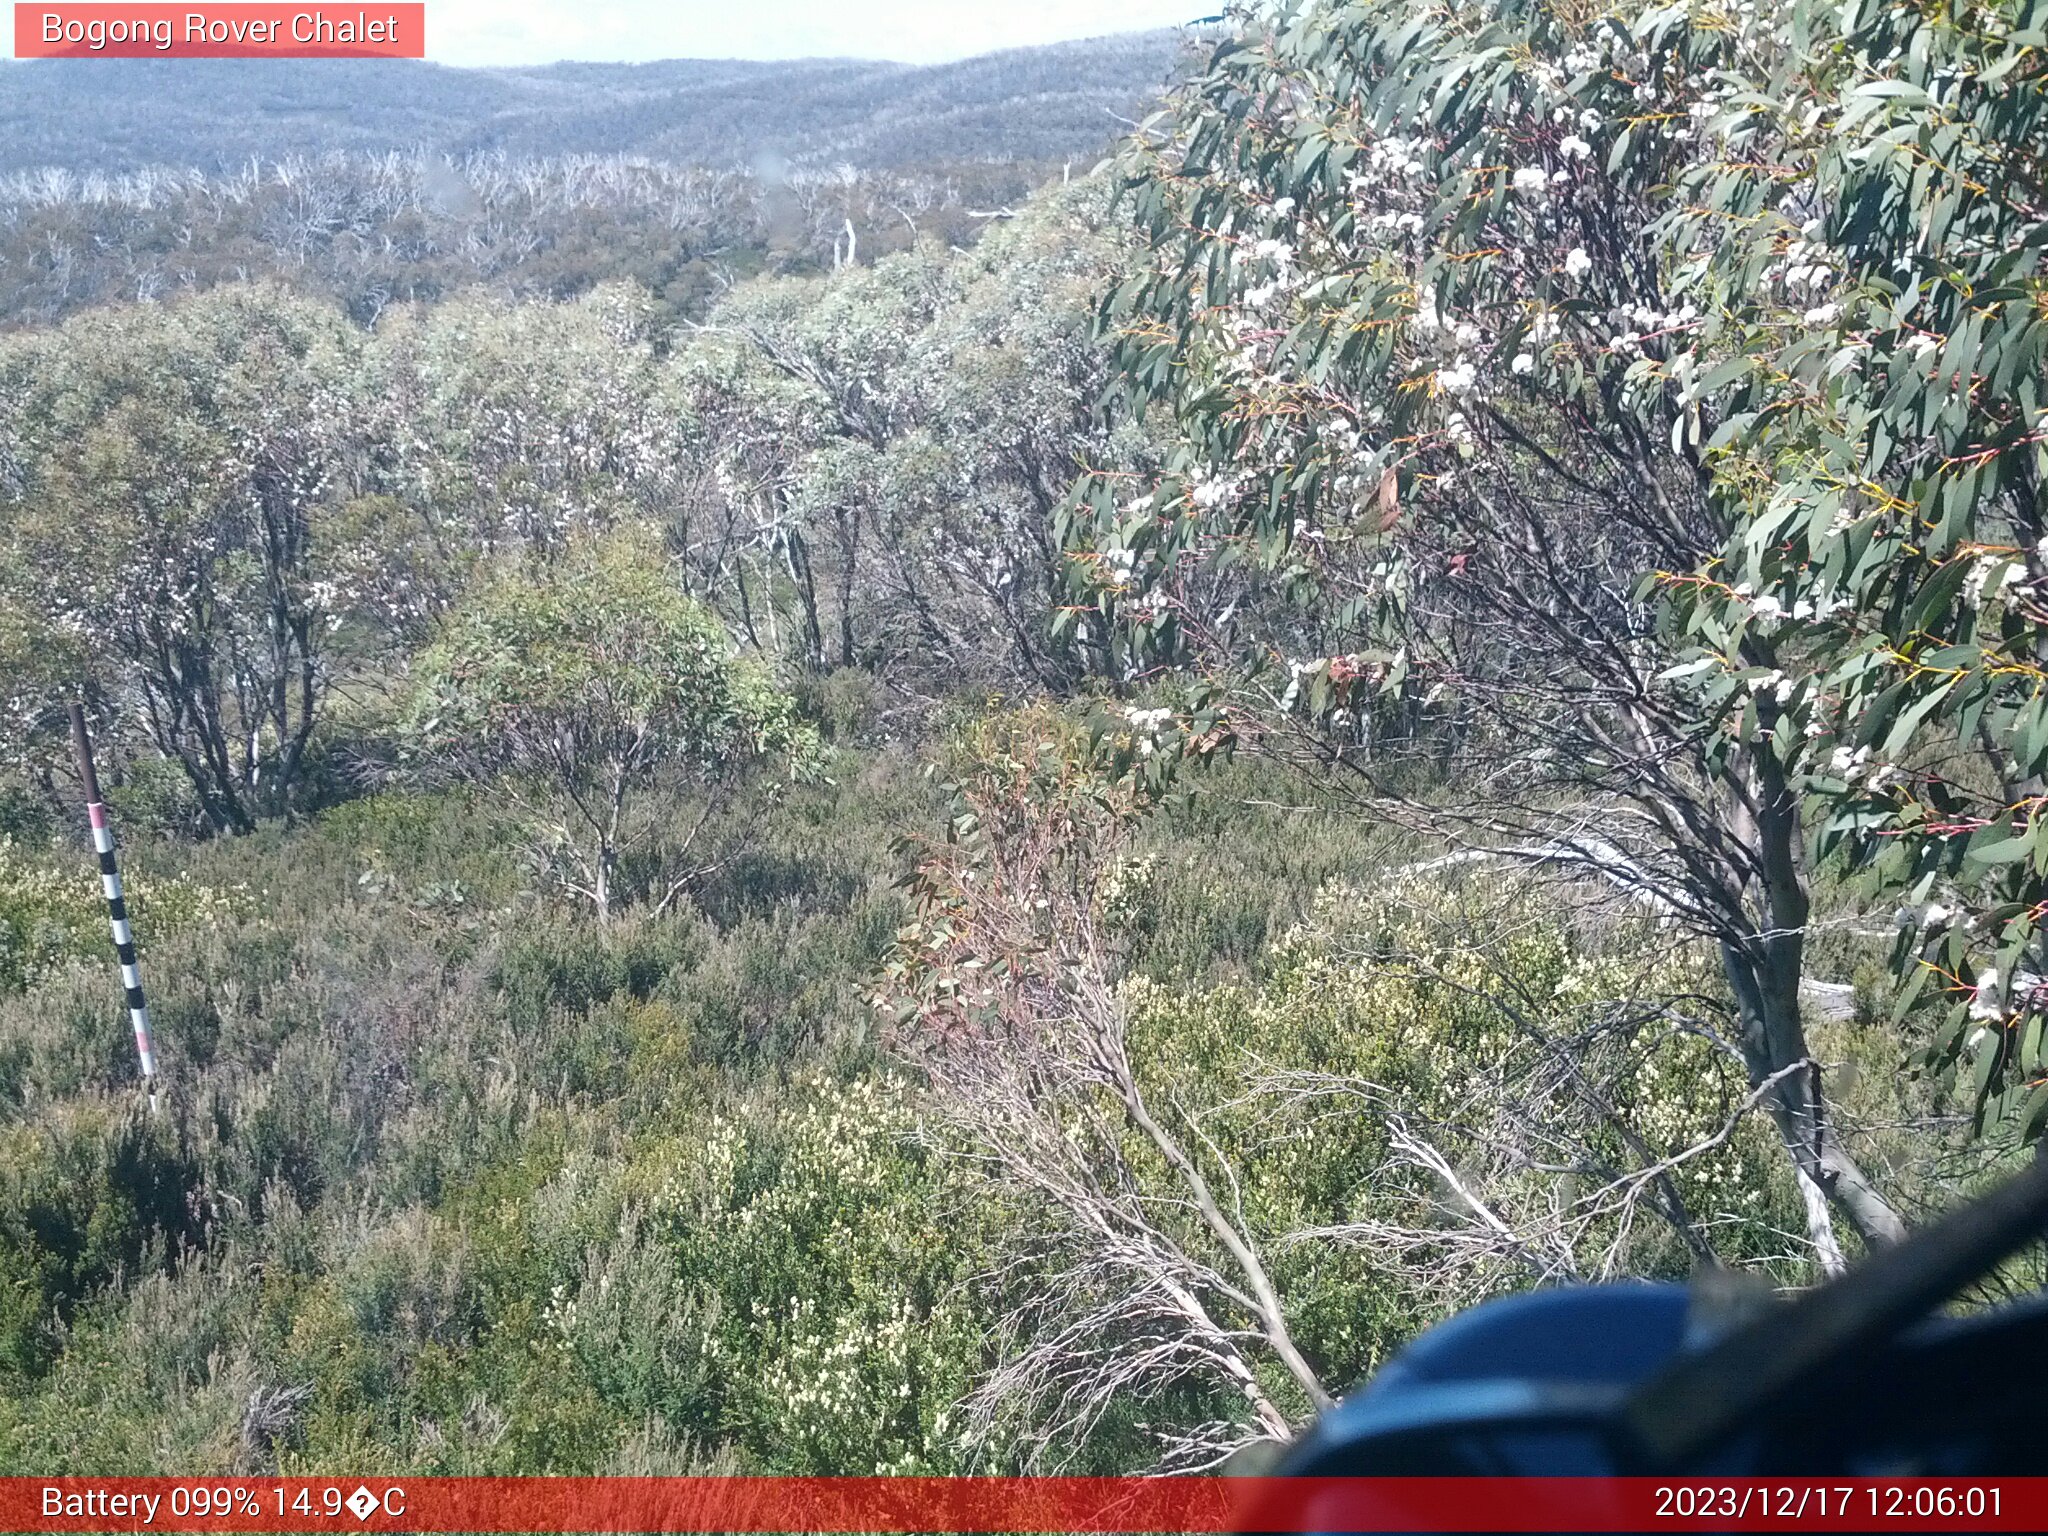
x=1414, y=309
x=1014, y=381
x=811, y=401
x=899, y=439
x=1868, y=258
x=522, y=426
x=170, y=474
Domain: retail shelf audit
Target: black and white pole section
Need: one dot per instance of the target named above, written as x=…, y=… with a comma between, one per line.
x=117, y=905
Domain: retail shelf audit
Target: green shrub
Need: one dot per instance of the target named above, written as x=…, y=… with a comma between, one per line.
x=830, y=1254
x=91, y=1197
x=155, y=798
x=52, y=914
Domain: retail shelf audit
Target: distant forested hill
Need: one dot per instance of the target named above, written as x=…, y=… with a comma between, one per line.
x=1037, y=104
x=376, y=182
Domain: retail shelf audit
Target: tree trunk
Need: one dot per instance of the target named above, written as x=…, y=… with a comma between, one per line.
x=849, y=565
x=1763, y=969
x=799, y=558
x=1775, y=1051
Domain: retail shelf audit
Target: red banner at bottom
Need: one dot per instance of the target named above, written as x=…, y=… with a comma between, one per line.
x=1030, y=1504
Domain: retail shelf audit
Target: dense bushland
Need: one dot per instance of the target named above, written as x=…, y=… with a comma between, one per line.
x=1034, y=855
x=431, y=1140
x=368, y=231
x=451, y=1178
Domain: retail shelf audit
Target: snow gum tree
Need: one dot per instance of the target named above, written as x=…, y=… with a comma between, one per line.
x=522, y=426
x=171, y=481
x=891, y=446
x=1418, y=312
x=1867, y=246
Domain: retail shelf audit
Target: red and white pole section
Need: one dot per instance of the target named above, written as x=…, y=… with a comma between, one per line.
x=117, y=905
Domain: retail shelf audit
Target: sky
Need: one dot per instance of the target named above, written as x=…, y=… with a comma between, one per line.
x=916, y=31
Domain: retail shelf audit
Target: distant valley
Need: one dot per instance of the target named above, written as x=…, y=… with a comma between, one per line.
x=1063, y=101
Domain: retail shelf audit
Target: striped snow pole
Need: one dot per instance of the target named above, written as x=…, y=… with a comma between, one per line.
x=117, y=906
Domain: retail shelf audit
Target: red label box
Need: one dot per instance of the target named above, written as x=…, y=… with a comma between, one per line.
x=115, y=31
